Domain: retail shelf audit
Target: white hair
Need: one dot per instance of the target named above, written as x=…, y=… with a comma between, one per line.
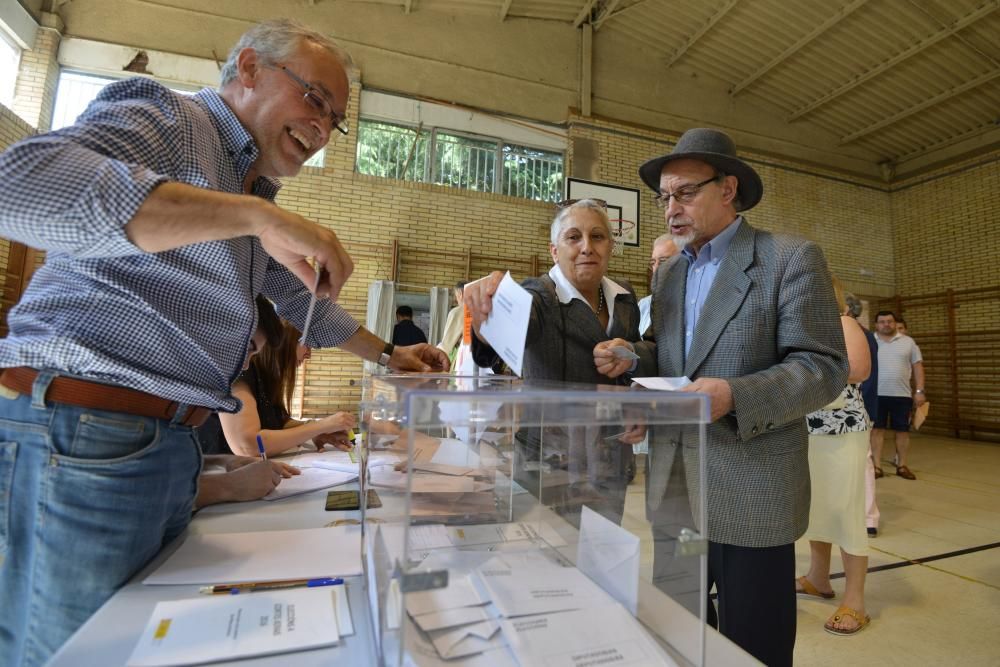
x=277, y=40
x=583, y=204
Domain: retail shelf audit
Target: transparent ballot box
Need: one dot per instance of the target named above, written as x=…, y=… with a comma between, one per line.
x=517, y=526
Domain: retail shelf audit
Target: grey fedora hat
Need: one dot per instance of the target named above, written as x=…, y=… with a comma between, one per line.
x=717, y=149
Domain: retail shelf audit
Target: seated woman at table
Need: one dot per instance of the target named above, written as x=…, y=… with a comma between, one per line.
x=265, y=389
x=574, y=307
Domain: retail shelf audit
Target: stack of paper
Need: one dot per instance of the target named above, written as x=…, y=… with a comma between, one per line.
x=230, y=627
x=310, y=479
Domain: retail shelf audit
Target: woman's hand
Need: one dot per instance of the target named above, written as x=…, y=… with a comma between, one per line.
x=478, y=298
x=611, y=364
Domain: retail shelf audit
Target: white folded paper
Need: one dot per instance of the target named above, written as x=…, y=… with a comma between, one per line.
x=609, y=555
x=662, y=384
x=506, y=328
x=520, y=584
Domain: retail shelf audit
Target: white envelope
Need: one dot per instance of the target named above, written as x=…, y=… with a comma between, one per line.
x=467, y=640
x=662, y=384
x=451, y=618
x=460, y=592
x=609, y=555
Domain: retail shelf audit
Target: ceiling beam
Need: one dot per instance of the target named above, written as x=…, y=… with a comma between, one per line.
x=584, y=14
x=606, y=11
x=909, y=111
x=923, y=44
x=797, y=46
x=504, y=8
x=698, y=34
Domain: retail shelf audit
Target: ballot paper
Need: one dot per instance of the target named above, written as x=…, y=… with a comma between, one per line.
x=426, y=483
x=310, y=479
x=236, y=558
x=520, y=584
x=604, y=635
x=506, y=328
x=420, y=652
x=662, y=384
x=460, y=592
x=467, y=639
x=455, y=453
x=609, y=555
x=498, y=533
x=336, y=460
x=451, y=618
x=230, y=627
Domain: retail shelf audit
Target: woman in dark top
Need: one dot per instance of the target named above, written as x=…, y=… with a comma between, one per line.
x=265, y=389
x=574, y=307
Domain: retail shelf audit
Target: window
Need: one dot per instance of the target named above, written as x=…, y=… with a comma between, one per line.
x=458, y=159
x=10, y=61
x=74, y=93
x=392, y=151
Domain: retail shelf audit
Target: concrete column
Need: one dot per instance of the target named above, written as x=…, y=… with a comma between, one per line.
x=35, y=92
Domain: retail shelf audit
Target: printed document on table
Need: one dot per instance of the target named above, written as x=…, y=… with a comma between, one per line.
x=606, y=635
x=236, y=558
x=230, y=627
x=507, y=326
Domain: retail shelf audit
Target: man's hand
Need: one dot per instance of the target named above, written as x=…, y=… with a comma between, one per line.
x=478, y=298
x=257, y=479
x=607, y=362
x=919, y=399
x=290, y=239
x=719, y=393
x=419, y=358
x=633, y=433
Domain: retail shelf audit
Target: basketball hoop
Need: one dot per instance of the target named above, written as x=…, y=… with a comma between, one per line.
x=619, y=229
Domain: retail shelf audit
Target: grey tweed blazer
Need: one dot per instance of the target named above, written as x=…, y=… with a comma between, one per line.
x=768, y=326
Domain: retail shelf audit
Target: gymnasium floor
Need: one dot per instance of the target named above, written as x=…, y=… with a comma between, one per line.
x=944, y=610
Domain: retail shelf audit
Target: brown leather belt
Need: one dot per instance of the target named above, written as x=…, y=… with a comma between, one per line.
x=97, y=396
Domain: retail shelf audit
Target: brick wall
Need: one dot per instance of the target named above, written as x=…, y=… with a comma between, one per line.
x=946, y=236
x=443, y=230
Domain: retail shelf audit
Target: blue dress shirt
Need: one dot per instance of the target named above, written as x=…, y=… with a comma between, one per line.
x=700, y=276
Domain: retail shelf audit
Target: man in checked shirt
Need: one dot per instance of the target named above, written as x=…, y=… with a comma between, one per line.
x=156, y=211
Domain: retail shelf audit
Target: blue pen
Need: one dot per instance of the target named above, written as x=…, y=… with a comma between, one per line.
x=236, y=589
x=260, y=448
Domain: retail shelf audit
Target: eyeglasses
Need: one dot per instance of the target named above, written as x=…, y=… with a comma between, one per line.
x=566, y=203
x=656, y=261
x=315, y=99
x=684, y=194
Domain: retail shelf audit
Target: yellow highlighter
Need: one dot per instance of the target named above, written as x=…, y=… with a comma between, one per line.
x=350, y=452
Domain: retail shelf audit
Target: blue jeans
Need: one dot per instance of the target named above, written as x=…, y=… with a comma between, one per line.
x=87, y=497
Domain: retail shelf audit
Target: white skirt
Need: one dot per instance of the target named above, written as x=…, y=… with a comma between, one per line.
x=837, y=472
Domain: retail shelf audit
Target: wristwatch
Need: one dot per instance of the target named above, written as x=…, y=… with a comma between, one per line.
x=383, y=359
x=918, y=391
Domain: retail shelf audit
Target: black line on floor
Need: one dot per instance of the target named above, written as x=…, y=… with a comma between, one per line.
x=925, y=559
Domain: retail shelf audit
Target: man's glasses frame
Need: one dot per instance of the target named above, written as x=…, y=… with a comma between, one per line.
x=315, y=99
x=686, y=193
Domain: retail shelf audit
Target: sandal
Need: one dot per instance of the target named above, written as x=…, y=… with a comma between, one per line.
x=905, y=472
x=839, y=615
x=812, y=591
x=878, y=473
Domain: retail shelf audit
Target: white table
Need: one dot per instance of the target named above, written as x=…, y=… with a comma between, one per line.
x=109, y=636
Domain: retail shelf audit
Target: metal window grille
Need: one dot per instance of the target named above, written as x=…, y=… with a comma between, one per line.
x=447, y=157
x=75, y=92
x=392, y=151
x=532, y=173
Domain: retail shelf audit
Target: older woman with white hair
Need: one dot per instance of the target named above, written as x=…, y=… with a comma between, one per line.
x=574, y=307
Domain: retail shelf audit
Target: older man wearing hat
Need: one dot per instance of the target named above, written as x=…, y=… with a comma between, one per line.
x=751, y=318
